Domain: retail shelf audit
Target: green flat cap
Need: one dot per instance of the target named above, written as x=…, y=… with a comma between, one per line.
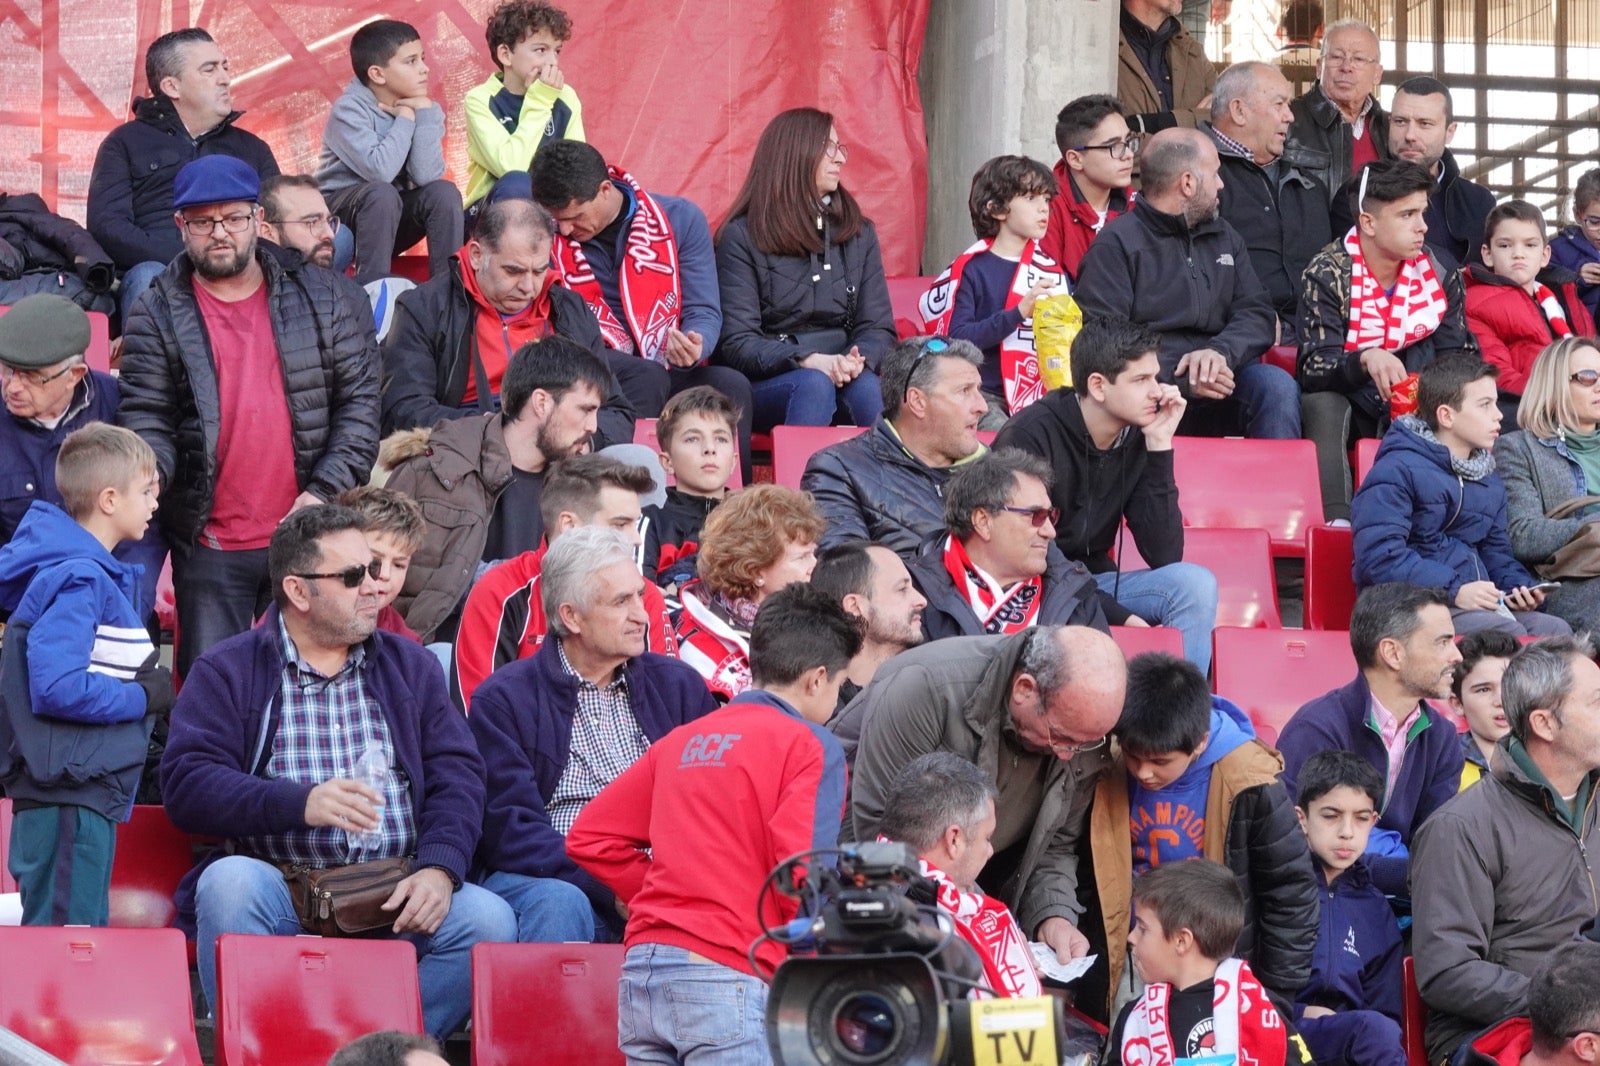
x=41, y=330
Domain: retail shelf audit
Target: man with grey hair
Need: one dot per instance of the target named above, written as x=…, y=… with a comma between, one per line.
x=998, y=569
x=1172, y=265
x=1505, y=873
x=556, y=728
x=1279, y=208
x=887, y=484
x=1338, y=126
x=1032, y=711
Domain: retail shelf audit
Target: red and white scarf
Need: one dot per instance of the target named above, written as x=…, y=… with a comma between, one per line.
x=1019, y=362
x=988, y=925
x=999, y=610
x=1392, y=321
x=1244, y=1020
x=1553, y=312
x=652, y=295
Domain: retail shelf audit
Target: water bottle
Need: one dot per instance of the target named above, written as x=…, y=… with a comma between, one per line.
x=371, y=770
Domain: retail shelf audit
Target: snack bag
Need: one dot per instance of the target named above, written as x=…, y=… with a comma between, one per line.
x=1403, y=398
x=1056, y=321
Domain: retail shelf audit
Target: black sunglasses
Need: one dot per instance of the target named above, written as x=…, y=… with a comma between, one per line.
x=351, y=576
x=1037, y=515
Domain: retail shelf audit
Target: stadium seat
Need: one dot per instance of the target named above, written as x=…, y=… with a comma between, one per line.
x=577, y=1016
x=99, y=997
x=644, y=432
x=1135, y=640
x=1241, y=560
x=793, y=447
x=295, y=1000
x=1366, y=452
x=1282, y=356
x=1413, y=1016
x=7, y=882
x=1330, y=589
x=152, y=856
x=1271, y=673
x=1245, y=484
x=904, y=293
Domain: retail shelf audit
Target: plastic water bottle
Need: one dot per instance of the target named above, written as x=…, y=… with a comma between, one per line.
x=373, y=771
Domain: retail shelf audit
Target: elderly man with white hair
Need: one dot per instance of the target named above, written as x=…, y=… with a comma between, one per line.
x=556, y=728
x=1338, y=126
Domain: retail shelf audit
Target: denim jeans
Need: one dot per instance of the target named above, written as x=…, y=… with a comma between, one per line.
x=674, y=1007
x=549, y=910
x=219, y=595
x=135, y=280
x=1180, y=595
x=1265, y=405
x=238, y=894
x=805, y=397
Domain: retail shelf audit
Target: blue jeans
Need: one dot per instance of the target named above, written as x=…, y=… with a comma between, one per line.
x=344, y=249
x=237, y=894
x=806, y=397
x=137, y=279
x=1180, y=595
x=549, y=910
x=674, y=1007
x=1265, y=405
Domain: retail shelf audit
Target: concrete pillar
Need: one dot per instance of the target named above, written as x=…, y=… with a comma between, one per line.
x=994, y=74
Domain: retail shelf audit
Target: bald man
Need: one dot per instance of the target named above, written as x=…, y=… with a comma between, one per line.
x=1032, y=710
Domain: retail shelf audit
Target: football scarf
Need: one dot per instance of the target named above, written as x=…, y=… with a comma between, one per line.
x=1392, y=321
x=999, y=610
x=1244, y=1018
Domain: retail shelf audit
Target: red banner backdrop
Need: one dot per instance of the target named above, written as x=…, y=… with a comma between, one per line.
x=675, y=92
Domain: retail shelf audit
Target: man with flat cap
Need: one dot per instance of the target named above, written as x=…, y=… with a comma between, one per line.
x=257, y=387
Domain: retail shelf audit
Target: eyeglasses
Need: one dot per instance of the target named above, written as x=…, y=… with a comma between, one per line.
x=310, y=222
x=1590, y=221
x=1340, y=59
x=1586, y=378
x=34, y=379
x=835, y=150
x=205, y=227
x=1037, y=516
x=1065, y=750
x=1126, y=148
x=350, y=576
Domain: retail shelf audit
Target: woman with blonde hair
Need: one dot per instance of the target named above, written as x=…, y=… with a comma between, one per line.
x=1555, y=457
x=759, y=540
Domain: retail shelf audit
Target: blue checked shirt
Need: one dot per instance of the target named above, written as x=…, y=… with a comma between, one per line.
x=606, y=740
x=323, y=731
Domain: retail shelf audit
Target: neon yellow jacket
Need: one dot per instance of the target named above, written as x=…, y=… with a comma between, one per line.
x=491, y=151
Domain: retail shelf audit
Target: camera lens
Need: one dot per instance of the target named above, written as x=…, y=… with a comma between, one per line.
x=866, y=1025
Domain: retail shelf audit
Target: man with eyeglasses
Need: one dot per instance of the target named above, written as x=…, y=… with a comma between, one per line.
x=257, y=388
x=1163, y=76
x=1562, y=1023
x=1094, y=172
x=1338, y=126
x=265, y=743
x=294, y=217
x=1505, y=873
x=1031, y=710
x=998, y=569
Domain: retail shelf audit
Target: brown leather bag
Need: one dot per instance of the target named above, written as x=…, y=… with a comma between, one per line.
x=346, y=900
x=1580, y=556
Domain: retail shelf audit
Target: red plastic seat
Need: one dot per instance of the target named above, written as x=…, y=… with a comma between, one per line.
x=1330, y=588
x=1136, y=640
x=793, y=447
x=7, y=882
x=644, y=432
x=152, y=856
x=1413, y=1016
x=1366, y=452
x=1271, y=673
x=99, y=997
x=1245, y=484
x=1241, y=561
x=411, y=267
x=1282, y=356
x=295, y=1000
x=576, y=1020
x=904, y=293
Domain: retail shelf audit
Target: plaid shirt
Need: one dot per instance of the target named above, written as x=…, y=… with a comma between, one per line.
x=606, y=740
x=323, y=731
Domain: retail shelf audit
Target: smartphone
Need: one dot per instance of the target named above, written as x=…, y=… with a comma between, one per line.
x=1544, y=586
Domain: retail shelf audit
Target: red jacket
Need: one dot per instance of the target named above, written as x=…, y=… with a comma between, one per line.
x=503, y=621
x=1071, y=227
x=687, y=835
x=1510, y=328
x=1500, y=1045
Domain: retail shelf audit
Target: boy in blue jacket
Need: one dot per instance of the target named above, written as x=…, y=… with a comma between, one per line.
x=1349, y=1012
x=1433, y=512
x=79, y=684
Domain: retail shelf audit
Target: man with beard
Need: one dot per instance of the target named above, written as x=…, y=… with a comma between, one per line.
x=295, y=217
x=258, y=391
x=1405, y=648
x=1422, y=123
x=871, y=583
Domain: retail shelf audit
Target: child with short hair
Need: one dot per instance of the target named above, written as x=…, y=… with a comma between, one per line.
x=1349, y=1012
x=1094, y=175
x=1199, y=1000
x=1192, y=780
x=1578, y=246
x=1475, y=696
x=394, y=530
x=525, y=103
x=80, y=687
x=1517, y=301
x=382, y=165
x=987, y=295
x=698, y=435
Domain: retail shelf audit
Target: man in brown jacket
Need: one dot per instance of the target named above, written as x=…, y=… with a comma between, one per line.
x=1163, y=76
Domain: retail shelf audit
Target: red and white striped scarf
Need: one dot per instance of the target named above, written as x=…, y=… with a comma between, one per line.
x=1392, y=321
x=1245, y=1023
x=1553, y=312
x=989, y=926
x=999, y=610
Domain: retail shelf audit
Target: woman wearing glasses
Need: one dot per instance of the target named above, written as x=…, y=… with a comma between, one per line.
x=1555, y=458
x=805, y=306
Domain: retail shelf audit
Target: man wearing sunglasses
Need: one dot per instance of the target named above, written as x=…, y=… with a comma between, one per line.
x=1562, y=1025
x=1031, y=710
x=256, y=386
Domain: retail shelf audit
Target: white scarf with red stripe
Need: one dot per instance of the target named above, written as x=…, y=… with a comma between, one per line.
x=1019, y=362
x=988, y=925
x=999, y=610
x=1244, y=1021
x=1553, y=312
x=652, y=294
x=1392, y=321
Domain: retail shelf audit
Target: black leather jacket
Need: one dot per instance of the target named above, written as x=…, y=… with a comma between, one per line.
x=1321, y=142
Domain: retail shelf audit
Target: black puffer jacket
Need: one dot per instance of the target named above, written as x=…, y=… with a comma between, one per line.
x=1322, y=142
x=1069, y=597
x=768, y=300
x=130, y=189
x=330, y=379
x=427, y=356
x=1283, y=220
x=45, y=241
